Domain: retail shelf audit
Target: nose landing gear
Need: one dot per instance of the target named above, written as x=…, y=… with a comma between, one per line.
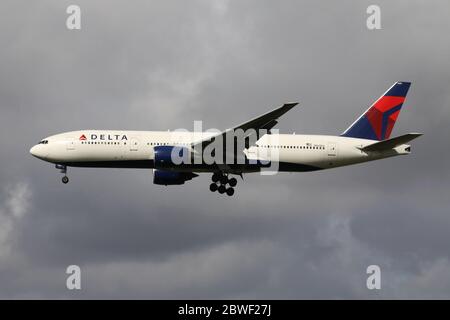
x=220, y=182
x=63, y=169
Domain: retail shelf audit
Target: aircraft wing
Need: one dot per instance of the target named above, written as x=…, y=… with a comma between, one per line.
x=391, y=143
x=266, y=121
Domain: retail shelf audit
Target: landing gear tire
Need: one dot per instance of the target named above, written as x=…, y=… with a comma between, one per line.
x=222, y=189
x=65, y=179
x=223, y=179
x=215, y=177
x=220, y=183
x=213, y=187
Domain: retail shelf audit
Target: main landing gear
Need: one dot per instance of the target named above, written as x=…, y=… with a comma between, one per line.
x=63, y=169
x=220, y=182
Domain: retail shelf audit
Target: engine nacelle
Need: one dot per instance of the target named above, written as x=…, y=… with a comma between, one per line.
x=165, y=177
x=169, y=157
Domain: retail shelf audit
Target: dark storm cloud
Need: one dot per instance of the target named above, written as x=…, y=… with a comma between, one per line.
x=150, y=65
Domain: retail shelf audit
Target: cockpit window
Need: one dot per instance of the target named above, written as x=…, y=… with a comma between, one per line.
x=43, y=142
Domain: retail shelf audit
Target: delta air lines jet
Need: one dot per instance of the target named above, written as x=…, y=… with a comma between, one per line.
x=177, y=157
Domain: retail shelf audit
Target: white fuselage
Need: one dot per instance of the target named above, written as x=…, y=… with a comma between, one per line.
x=135, y=149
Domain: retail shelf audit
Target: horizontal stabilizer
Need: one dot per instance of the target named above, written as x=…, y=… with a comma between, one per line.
x=391, y=143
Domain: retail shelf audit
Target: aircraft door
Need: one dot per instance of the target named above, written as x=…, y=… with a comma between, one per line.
x=332, y=149
x=134, y=144
x=70, y=145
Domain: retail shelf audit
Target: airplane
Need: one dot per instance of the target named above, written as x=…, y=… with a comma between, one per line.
x=366, y=139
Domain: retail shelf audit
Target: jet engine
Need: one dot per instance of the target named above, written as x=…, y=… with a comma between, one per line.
x=169, y=157
x=165, y=177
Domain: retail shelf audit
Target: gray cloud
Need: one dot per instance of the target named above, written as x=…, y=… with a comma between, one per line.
x=157, y=66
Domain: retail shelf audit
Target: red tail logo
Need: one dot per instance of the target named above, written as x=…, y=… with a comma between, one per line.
x=83, y=137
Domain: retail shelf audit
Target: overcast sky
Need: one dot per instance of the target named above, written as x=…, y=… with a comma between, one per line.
x=158, y=65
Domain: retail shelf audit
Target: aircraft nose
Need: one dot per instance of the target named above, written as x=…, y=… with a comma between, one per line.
x=37, y=152
x=33, y=150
